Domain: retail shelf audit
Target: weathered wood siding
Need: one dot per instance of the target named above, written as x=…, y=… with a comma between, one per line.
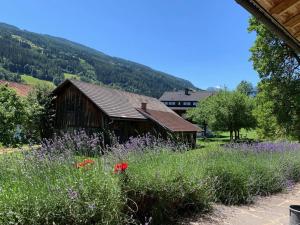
x=125, y=129
x=74, y=110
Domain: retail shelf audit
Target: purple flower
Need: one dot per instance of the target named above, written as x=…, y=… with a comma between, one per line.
x=65, y=146
x=289, y=184
x=72, y=194
x=268, y=147
x=92, y=206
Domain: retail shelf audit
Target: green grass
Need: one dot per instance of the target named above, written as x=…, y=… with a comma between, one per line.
x=71, y=76
x=244, y=134
x=35, y=81
x=223, y=137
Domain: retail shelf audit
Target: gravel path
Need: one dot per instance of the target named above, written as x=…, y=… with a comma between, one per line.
x=273, y=210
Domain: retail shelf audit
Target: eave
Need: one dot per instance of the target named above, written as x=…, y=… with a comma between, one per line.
x=280, y=17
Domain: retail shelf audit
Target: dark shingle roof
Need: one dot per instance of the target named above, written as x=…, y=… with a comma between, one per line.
x=121, y=104
x=170, y=121
x=181, y=96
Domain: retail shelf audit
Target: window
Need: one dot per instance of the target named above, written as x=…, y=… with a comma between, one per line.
x=170, y=103
x=194, y=103
x=186, y=103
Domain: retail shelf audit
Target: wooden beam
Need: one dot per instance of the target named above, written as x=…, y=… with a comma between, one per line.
x=283, y=6
x=297, y=34
x=293, y=21
x=264, y=17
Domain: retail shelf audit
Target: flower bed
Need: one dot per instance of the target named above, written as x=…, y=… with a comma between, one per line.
x=141, y=181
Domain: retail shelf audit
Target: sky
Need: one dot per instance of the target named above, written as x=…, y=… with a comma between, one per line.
x=205, y=42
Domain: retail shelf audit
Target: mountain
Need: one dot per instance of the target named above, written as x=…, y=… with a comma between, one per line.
x=49, y=58
x=214, y=89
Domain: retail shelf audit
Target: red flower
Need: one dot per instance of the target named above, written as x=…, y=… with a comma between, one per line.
x=84, y=163
x=120, y=167
x=124, y=166
x=88, y=161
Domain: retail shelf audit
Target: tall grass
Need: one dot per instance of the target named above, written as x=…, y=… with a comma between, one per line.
x=161, y=183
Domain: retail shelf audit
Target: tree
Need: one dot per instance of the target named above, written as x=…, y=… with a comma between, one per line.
x=267, y=125
x=200, y=115
x=225, y=111
x=245, y=87
x=279, y=68
x=40, y=113
x=12, y=116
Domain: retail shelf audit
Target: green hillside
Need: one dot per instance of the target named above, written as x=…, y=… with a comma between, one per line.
x=52, y=59
x=26, y=79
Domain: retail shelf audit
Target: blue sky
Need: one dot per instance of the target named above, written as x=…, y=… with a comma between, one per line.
x=205, y=42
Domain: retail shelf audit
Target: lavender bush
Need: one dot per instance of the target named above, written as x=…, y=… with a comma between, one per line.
x=46, y=186
x=241, y=171
x=267, y=147
x=75, y=142
x=79, y=142
x=52, y=190
x=144, y=144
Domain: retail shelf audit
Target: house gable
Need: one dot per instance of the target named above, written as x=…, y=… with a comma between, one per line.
x=74, y=109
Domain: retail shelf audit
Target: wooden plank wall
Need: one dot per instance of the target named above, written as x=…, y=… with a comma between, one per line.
x=74, y=110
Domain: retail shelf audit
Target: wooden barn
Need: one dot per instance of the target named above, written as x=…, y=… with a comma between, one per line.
x=89, y=106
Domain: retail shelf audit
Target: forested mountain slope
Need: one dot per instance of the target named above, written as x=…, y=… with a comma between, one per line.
x=48, y=58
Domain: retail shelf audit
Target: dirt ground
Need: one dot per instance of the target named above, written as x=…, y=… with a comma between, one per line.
x=273, y=210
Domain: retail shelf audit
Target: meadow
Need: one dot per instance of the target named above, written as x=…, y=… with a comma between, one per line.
x=73, y=180
x=35, y=81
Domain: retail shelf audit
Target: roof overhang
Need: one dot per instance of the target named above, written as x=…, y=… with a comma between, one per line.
x=170, y=121
x=282, y=17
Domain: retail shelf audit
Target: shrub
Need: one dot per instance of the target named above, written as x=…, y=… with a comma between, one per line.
x=77, y=142
x=229, y=183
x=12, y=116
x=54, y=191
x=244, y=171
x=238, y=178
x=164, y=187
x=56, y=183
x=41, y=113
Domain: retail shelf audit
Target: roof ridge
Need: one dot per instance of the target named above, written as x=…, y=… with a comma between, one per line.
x=112, y=88
x=121, y=93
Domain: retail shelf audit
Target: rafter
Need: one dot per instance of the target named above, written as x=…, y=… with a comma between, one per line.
x=283, y=6
x=297, y=34
x=293, y=21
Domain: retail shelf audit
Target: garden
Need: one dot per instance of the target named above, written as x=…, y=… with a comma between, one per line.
x=74, y=178
x=71, y=179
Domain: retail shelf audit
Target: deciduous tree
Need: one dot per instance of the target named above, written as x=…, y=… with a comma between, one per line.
x=12, y=116
x=40, y=113
x=279, y=68
x=225, y=111
x=245, y=87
